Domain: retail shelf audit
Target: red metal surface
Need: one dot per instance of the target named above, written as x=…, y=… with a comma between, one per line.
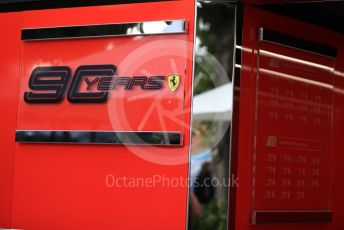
x=257, y=160
x=64, y=186
x=293, y=129
x=10, y=51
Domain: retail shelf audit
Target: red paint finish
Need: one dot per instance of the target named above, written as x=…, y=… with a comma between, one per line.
x=295, y=111
x=9, y=65
x=71, y=186
x=337, y=187
x=292, y=168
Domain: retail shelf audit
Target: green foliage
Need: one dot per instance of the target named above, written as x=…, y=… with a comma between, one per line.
x=204, y=83
x=213, y=217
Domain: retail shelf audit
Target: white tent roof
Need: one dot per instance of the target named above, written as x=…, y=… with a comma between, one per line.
x=214, y=104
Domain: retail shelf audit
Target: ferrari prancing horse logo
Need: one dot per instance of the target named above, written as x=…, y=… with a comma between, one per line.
x=173, y=81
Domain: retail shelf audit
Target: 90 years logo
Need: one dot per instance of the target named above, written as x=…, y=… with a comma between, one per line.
x=48, y=84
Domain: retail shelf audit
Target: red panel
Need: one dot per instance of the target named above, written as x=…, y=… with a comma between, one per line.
x=293, y=131
x=284, y=144
x=64, y=186
x=337, y=201
x=9, y=65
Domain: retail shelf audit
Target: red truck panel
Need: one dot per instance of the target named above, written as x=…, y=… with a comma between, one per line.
x=289, y=120
x=10, y=66
x=66, y=186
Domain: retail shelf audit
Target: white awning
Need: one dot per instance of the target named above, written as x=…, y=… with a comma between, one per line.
x=214, y=104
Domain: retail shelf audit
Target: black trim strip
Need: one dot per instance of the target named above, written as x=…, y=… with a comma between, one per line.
x=268, y=35
x=99, y=137
x=22, y=5
x=291, y=217
x=104, y=30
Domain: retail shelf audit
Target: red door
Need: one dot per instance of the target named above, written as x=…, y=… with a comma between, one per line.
x=290, y=121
